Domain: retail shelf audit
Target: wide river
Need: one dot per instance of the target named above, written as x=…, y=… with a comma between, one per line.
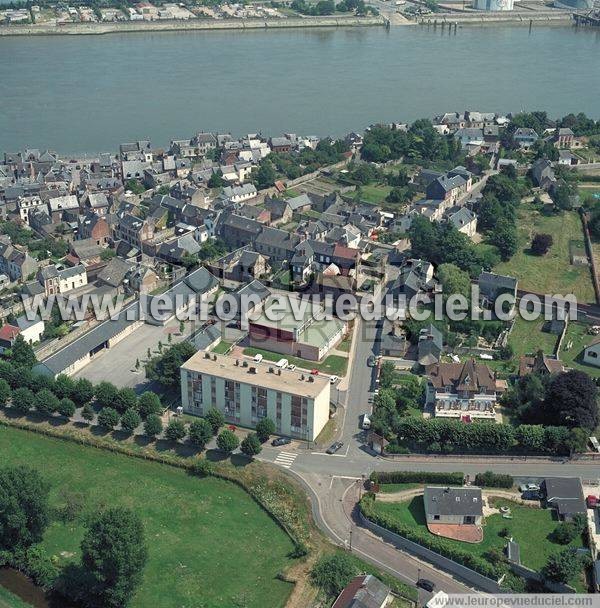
x=88, y=93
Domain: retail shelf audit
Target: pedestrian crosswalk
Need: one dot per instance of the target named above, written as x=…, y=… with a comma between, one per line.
x=285, y=459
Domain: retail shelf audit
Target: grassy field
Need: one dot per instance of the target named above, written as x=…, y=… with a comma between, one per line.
x=571, y=352
x=333, y=364
x=390, y=488
x=530, y=527
x=553, y=272
x=198, y=531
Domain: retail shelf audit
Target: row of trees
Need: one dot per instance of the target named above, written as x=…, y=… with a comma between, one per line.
x=113, y=549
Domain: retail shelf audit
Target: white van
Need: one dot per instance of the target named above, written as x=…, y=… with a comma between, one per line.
x=366, y=422
x=258, y=358
x=282, y=363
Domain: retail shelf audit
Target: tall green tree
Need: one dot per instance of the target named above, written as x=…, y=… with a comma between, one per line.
x=113, y=554
x=21, y=353
x=24, y=509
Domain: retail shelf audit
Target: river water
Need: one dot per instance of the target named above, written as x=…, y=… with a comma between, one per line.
x=88, y=93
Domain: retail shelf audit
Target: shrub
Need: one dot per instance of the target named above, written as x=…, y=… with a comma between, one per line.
x=202, y=468
x=5, y=392
x=66, y=408
x=541, y=243
x=130, y=420
x=23, y=400
x=264, y=429
x=227, y=441
x=453, y=479
x=200, y=433
x=564, y=533
x=108, y=418
x=153, y=425
x=175, y=430
x=251, y=445
x=333, y=572
x=489, y=479
x=87, y=412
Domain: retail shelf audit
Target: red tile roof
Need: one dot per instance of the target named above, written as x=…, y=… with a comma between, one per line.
x=9, y=332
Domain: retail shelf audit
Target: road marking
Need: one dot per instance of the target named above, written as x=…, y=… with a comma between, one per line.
x=285, y=459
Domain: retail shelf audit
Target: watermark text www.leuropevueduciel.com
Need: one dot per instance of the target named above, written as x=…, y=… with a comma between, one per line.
x=279, y=306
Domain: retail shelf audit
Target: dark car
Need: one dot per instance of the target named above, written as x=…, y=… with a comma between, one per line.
x=426, y=584
x=371, y=361
x=334, y=447
x=281, y=441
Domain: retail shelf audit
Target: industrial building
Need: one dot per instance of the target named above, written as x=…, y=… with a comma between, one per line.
x=246, y=391
x=493, y=5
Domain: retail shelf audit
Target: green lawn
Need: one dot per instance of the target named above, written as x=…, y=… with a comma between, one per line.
x=390, y=488
x=375, y=193
x=530, y=527
x=527, y=337
x=333, y=364
x=9, y=600
x=571, y=351
x=553, y=272
x=199, y=531
x=222, y=347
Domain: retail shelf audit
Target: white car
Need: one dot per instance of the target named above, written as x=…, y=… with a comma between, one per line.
x=291, y=367
x=282, y=363
x=258, y=358
x=529, y=487
x=333, y=379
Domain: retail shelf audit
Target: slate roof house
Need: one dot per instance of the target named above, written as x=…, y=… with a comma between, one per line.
x=459, y=506
x=492, y=285
x=430, y=345
x=542, y=174
x=415, y=276
x=525, y=137
x=565, y=494
x=465, y=391
x=238, y=231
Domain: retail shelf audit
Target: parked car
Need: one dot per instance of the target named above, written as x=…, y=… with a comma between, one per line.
x=282, y=363
x=258, y=358
x=280, y=441
x=334, y=447
x=592, y=501
x=371, y=361
x=314, y=372
x=366, y=422
x=333, y=379
x=291, y=367
x=426, y=584
x=529, y=487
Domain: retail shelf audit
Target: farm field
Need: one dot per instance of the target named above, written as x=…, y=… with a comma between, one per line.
x=198, y=531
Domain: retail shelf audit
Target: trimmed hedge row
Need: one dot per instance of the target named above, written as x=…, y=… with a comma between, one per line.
x=425, y=539
x=454, y=479
x=489, y=479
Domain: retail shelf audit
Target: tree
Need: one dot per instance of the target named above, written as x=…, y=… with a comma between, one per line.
x=153, y=425
x=165, y=368
x=562, y=567
x=571, y=400
x=266, y=175
x=87, y=413
x=216, y=180
x=21, y=353
x=106, y=394
x=227, y=441
x=83, y=391
x=149, y=403
x=5, y=392
x=454, y=281
x=113, y=553
x=46, y=402
x=130, y=420
x=505, y=238
x=564, y=533
x=563, y=196
x=265, y=427
x=541, y=243
x=66, y=407
x=23, y=400
x=175, y=430
x=250, y=445
x=215, y=419
x=63, y=386
x=108, y=417
x=24, y=509
x=333, y=572
x=126, y=399
x=200, y=432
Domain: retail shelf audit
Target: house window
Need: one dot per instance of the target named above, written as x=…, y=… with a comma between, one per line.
x=436, y=518
x=593, y=354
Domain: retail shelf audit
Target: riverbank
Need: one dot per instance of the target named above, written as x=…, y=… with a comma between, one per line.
x=537, y=18
x=186, y=26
